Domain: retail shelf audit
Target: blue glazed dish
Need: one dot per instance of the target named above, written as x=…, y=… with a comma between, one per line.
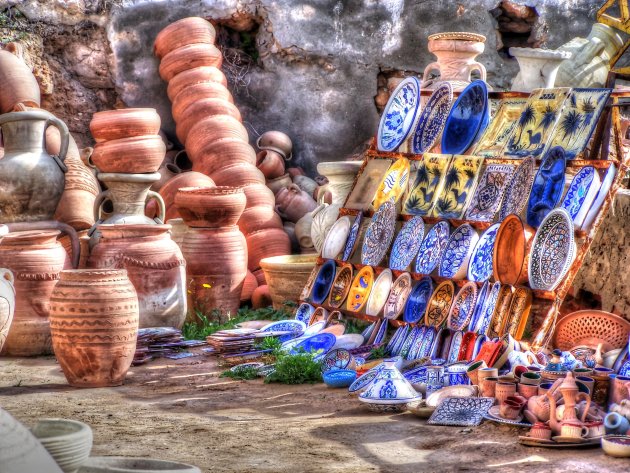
x=432, y=248
x=480, y=265
x=418, y=299
x=432, y=119
x=352, y=237
x=304, y=312
x=399, y=115
x=323, y=282
x=322, y=342
x=466, y=119
x=548, y=187
x=339, y=378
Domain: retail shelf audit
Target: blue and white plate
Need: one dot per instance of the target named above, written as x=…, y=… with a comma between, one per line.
x=463, y=307
x=382, y=331
x=304, y=312
x=399, y=115
x=479, y=303
x=547, y=188
x=338, y=359
x=285, y=326
x=353, y=235
x=379, y=234
x=315, y=328
x=322, y=342
x=418, y=300
x=593, y=212
x=488, y=309
x=432, y=119
x=454, y=262
x=400, y=332
x=407, y=244
x=399, y=339
x=517, y=190
x=427, y=342
x=406, y=346
x=480, y=266
x=581, y=194
x=465, y=120
x=364, y=381
x=456, y=345
x=432, y=247
x=323, y=282
x=417, y=344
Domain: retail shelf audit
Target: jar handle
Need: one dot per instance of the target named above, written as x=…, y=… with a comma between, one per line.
x=434, y=66
x=65, y=141
x=479, y=68
x=152, y=195
x=98, y=203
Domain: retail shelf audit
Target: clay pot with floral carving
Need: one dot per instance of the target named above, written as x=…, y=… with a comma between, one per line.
x=136, y=155
x=206, y=132
x=210, y=207
x=17, y=82
x=292, y=203
x=259, y=218
x=94, y=325
x=186, y=179
x=226, y=152
x=270, y=163
x=194, y=76
x=193, y=93
x=124, y=123
x=203, y=107
x=191, y=30
x=188, y=57
x=155, y=266
x=266, y=243
x=237, y=175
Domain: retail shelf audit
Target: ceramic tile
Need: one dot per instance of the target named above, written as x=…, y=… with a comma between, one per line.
x=461, y=411
x=489, y=192
x=394, y=183
x=428, y=183
x=503, y=123
x=369, y=180
x=460, y=182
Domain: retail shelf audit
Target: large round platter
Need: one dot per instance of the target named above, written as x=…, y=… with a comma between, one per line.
x=454, y=262
x=407, y=244
x=394, y=183
x=456, y=345
x=463, y=307
x=353, y=236
x=547, y=188
x=440, y=304
x=379, y=235
x=418, y=300
x=432, y=248
x=401, y=288
x=340, y=286
x=518, y=189
x=552, y=252
x=360, y=289
x=336, y=239
x=399, y=115
x=323, y=281
x=465, y=118
x=432, y=119
x=379, y=293
x=321, y=342
x=511, y=251
x=480, y=266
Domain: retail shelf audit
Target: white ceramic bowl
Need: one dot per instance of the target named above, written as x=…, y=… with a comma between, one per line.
x=68, y=441
x=616, y=445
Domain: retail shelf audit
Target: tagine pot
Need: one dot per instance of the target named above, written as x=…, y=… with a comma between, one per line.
x=538, y=68
x=17, y=83
x=194, y=76
x=137, y=154
x=292, y=203
x=7, y=303
x=341, y=176
x=201, y=108
x=286, y=276
x=155, y=266
x=389, y=391
x=185, y=179
x=191, y=30
x=265, y=244
x=210, y=207
x=124, y=123
x=187, y=57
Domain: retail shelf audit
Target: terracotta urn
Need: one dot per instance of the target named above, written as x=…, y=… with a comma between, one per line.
x=194, y=76
x=138, y=154
x=292, y=203
x=155, y=266
x=186, y=179
x=94, y=325
x=259, y=218
x=17, y=83
x=191, y=30
x=124, y=123
x=341, y=176
x=188, y=57
x=210, y=207
x=279, y=183
x=249, y=286
x=266, y=243
x=228, y=156
x=276, y=141
x=270, y=163
x=237, y=174
x=35, y=258
x=206, y=132
x=200, y=108
x=286, y=276
x=538, y=68
x=195, y=92
x=7, y=303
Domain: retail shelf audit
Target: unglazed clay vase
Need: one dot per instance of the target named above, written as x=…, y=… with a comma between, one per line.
x=137, y=154
x=270, y=163
x=303, y=231
x=188, y=57
x=200, y=108
x=35, y=258
x=276, y=141
x=286, y=276
x=124, y=123
x=194, y=76
x=7, y=303
x=324, y=217
x=307, y=184
x=292, y=203
x=227, y=158
x=134, y=465
x=94, y=326
x=17, y=82
x=341, y=176
x=31, y=180
x=279, y=183
x=210, y=207
x=538, y=68
x=186, y=179
x=191, y=30
x=265, y=244
x=155, y=266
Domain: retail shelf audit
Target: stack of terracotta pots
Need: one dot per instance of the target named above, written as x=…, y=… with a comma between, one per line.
x=209, y=125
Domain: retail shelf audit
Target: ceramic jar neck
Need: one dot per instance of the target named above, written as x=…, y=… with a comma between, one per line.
x=25, y=136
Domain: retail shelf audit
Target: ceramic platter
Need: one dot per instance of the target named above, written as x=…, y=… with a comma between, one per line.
x=406, y=346
x=363, y=381
x=399, y=115
x=482, y=294
x=401, y=288
x=599, y=199
x=407, y=244
x=581, y=194
x=323, y=281
x=489, y=192
x=382, y=331
x=461, y=411
x=360, y=289
x=440, y=304
x=463, y=307
x=532, y=442
x=353, y=236
x=489, y=305
x=379, y=293
x=456, y=256
x=418, y=300
x=304, y=312
x=456, y=345
x=340, y=286
x=519, y=312
x=428, y=183
x=494, y=138
x=295, y=326
x=336, y=239
x=321, y=342
x=459, y=185
x=493, y=415
x=518, y=189
x=379, y=235
x=432, y=119
x=469, y=116
x=547, y=188
x=394, y=183
x=397, y=339
x=480, y=265
x=552, y=251
x=432, y=248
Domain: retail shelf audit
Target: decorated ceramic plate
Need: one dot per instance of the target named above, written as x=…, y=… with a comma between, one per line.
x=314, y=328
x=360, y=289
x=454, y=262
x=483, y=323
x=581, y=194
x=353, y=236
x=432, y=119
x=480, y=265
x=461, y=411
x=463, y=307
x=407, y=244
x=398, y=295
x=379, y=293
x=489, y=192
x=323, y=281
x=379, y=235
x=408, y=342
x=394, y=183
x=432, y=248
x=399, y=335
x=415, y=347
x=349, y=341
x=395, y=350
x=465, y=119
x=340, y=286
x=321, y=342
x=494, y=138
x=337, y=359
x=304, y=312
x=552, y=251
x=519, y=312
x=460, y=183
x=593, y=212
x=481, y=299
x=494, y=415
x=547, y=188
x=418, y=300
x=427, y=185
x=427, y=342
x=518, y=189
x=285, y=326
x=382, y=331
x=456, y=345
x=399, y=115
x=368, y=180
x=336, y=239
x=440, y=304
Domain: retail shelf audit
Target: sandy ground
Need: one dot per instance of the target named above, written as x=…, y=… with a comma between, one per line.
x=181, y=410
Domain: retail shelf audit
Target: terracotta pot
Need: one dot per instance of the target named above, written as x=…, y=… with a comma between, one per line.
x=94, y=326
x=266, y=243
x=205, y=132
x=286, y=276
x=36, y=258
x=237, y=175
x=155, y=266
x=289, y=229
x=124, y=123
x=260, y=277
x=54, y=140
x=276, y=141
x=178, y=230
x=270, y=163
x=340, y=176
x=186, y=179
x=17, y=83
x=278, y=183
x=7, y=302
x=216, y=269
x=292, y=203
x=210, y=207
x=307, y=184
x=512, y=247
x=296, y=171
x=261, y=297
x=191, y=30
x=194, y=76
x=193, y=93
x=139, y=154
x=200, y=109
x=249, y=286
x=182, y=161
x=259, y=195
x=259, y=218
x=167, y=172
x=67, y=241
x=226, y=152
x=77, y=201
x=189, y=57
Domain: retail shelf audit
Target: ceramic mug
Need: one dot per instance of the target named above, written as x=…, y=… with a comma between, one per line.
x=455, y=375
x=615, y=423
x=519, y=370
x=510, y=409
x=540, y=430
x=517, y=399
x=531, y=378
x=573, y=430
x=488, y=386
x=487, y=373
x=543, y=388
x=435, y=376
x=473, y=371
x=586, y=381
x=507, y=378
x=595, y=429
x=528, y=390
x=582, y=371
x=503, y=390
x=619, y=388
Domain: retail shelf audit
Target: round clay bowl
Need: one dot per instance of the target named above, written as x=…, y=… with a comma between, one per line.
x=259, y=218
x=237, y=175
x=276, y=141
x=139, y=154
x=192, y=77
x=192, y=30
x=17, y=83
x=267, y=243
x=134, y=465
x=188, y=57
x=185, y=179
x=124, y=123
x=286, y=276
x=191, y=94
x=204, y=108
x=224, y=152
x=210, y=207
x=68, y=441
x=259, y=195
x=512, y=247
x=206, y=132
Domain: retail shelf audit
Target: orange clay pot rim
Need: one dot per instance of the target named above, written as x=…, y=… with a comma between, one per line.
x=120, y=111
x=130, y=139
x=16, y=236
x=214, y=190
x=134, y=228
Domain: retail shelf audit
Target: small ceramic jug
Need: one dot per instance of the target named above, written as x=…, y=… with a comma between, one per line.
x=292, y=203
x=615, y=423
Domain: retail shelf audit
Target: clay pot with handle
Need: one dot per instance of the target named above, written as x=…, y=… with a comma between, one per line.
x=270, y=163
x=124, y=123
x=292, y=203
x=276, y=141
x=17, y=83
x=194, y=76
x=187, y=57
x=210, y=207
x=192, y=30
x=279, y=183
x=137, y=154
x=186, y=179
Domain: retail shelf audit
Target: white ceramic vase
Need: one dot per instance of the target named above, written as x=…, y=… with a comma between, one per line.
x=340, y=175
x=538, y=68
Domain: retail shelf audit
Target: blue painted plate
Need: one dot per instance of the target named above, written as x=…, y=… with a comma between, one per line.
x=581, y=194
x=394, y=338
x=457, y=252
x=481, y=299
x=304, y=312
x=488, y=309
x=382, y=331
x=547, y=188
x=432, y=247
x=404, y=331
x=379, y=234
x=408, y=343
x=363, y=381
x=407, y=244
x=285, y=326
x=480, y=266
x=399, y=115
x=463, y=307
x=465, y=119
x=418, y=299
x=417, y=344
x=352, y=237
x=432, y=119
x=456, y=344
x=322, y=342
x=427, y=343
x=323, y=282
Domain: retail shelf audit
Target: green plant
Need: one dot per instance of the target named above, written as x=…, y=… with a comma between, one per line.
x=246, y=373
x=269, y=343
x=298, y=368
x=354, y=326
x=378, y=353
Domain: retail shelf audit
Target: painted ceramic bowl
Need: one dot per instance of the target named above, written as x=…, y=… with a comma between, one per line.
x=394, y=344
x=381, y=332
x=432, y=248
x=304, y=312
x=432, y=119
x=360, y=289
x=440, y=304
x=463, y=307
x=547, y=188
x=456, y=345
x=581, y=194
x=481, y=259
x=340, y=286
x=379, y=235
x=379, y=293
x=389, y=391
x=512, y=247
x=418, y=300
x=616, y=445
x=399, y=115
x=353, y=237
x=414, y=348
x=394, y=183
x=339, y=378
x=401, y=288
x=456, y=256
x=319, y=315
x=295, y=326
x=320, y=343
x=323, y=282
x=338, y=358
x=465, y=119
x=518, y=188
x=336, y=239
x=407, y=244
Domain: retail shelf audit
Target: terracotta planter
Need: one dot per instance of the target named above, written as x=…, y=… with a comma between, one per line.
x=76, y=206
x=512, y=246
x=194, y=76
x=205, y=132
x=189, y=57
x=266, y=243
x=216, y=269
x=200, y=109
x=17, y=83
x=292, y=203
x=270, y=163
x=287, y=276
x=237, y=175
x=139, y=154
x=7, y=303
x=278, y=183
x=341, y=176
x=210, y=207
x=225, y=152
x=193, y=93
x=94, y=325
x=155, y=266
x=186, y=179
x=249, y=286
x=260, y=277
x=124, y=123
x=276, y=141
x=191, y=30
x=259, y=218
x=35, y=258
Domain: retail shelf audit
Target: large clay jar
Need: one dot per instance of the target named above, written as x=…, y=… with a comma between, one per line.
x=210, y=207
x=94, y=326
x=203, y=107
x=266, y=243
x=7, y=302
x=270, y=163
x=341, y=176
x=307, y=184
x=188, y=57
x=138, y=154
x=191, y=94
x=186, y=179
x=209, y=130
x=194, y=76
x=155, y=266
x=17, y=83
x=286, y=276
x=276, y=141
x=191, y=30
x=259, y=218
x=36, y=258
x=124, y=123
x=216, y=268
x=227, y=153
x=292, y=203
x=31, y=180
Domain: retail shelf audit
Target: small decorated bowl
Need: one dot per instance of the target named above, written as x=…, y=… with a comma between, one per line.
x=360, y=289
x=616, y=445
x=339, y=378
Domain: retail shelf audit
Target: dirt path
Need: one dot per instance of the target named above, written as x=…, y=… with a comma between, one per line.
x=181, y=410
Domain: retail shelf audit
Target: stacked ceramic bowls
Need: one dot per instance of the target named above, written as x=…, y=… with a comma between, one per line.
x=209, y=125
x=68, y=441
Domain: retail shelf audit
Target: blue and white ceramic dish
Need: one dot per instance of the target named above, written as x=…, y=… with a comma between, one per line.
x=399, y=115
x=432, y=248
x=456, y=345
x=418, y=300
x=339, y=358
x=518, y=189
x=315, y=328
x=599, y=199
x=407, y=244
x=408, y=343
x=427, y=342
x=379, y=234
x=379, y=293
x=463, y=307
x=465, y=119
x=417, y=344
x=547, y=188
x=304, y=312
x=399, y=335
x=480, y=266
x=581, y=194
x=353, y=235
x=285, y=326
x=389, y=387
x=319, y=343
x=323, y=282
x=489, y=192
x=481, y=299
x=367, y=333
x=364, y=380
x=432, y=119
x=483, y=323
x=339, y=378
x=382, y=331
x=454, y=262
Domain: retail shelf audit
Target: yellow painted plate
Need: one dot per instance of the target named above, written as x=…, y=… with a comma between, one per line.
x=394, y=183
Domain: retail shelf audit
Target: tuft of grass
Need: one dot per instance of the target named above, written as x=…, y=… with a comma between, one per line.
x=244, y=374
x=298, y=368
x=269, y=343
x=378, y=353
